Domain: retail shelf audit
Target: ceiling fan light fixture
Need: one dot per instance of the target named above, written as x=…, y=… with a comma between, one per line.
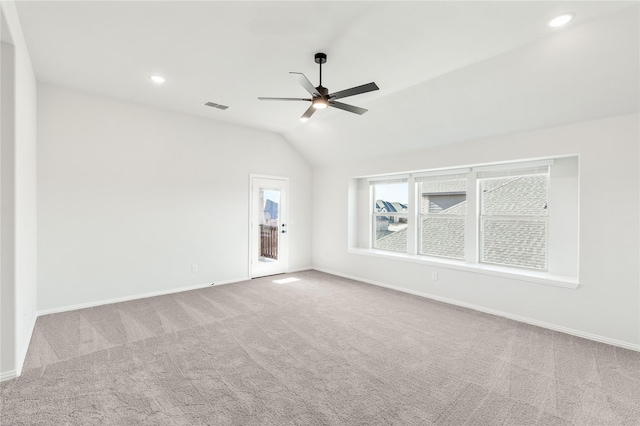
x=320, y=103
x=560, y=20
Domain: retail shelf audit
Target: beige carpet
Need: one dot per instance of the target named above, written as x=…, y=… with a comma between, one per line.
x=319, y=351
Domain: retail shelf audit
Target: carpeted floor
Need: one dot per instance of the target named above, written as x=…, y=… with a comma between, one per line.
x=318, y=351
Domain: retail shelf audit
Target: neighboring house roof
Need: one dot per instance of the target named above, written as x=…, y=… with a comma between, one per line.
x=519, y=195
x=457, y=186
x=395, y=241
x=443, y=236
x=515, y=242
x=390, y=207
x=399, y=207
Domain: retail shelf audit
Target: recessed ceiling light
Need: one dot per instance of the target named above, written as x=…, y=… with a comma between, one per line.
x=157, y=79
x=560, y=20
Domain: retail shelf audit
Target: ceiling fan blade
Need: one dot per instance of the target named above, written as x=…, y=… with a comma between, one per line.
x=369, y=87
x=350, y=108
x=308, y=113
x=304, y=82
x=282, y=99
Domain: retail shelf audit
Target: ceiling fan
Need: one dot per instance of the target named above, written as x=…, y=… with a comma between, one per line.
x=321, y=98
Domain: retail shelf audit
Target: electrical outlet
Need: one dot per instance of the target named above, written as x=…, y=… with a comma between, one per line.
x=194, y=268
x=434, y=276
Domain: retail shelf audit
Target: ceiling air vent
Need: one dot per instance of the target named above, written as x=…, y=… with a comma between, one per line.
x=215, y=105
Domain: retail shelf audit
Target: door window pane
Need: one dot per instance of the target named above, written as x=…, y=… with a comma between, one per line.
x=269, y=215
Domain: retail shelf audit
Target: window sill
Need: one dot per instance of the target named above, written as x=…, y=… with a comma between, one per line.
x=495, y=270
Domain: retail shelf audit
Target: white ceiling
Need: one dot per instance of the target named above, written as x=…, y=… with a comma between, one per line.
x=447, y=70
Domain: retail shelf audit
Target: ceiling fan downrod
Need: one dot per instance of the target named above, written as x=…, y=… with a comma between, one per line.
x=320, y=59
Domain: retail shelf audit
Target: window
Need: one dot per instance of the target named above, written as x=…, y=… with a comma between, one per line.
x=513, y=217
x=443, y=210
x=390, y=208
x=518, y=218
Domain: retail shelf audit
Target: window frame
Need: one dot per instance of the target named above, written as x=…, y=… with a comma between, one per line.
x=419, y=178
x=515, y=172
x=473, y=242
x=374, y=214
x=563, y=229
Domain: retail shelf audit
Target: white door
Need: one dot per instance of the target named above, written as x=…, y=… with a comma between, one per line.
x=269, y=226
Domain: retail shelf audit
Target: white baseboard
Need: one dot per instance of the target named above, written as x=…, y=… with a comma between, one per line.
x=134, y=297
x=7, y=375
x=305, y=268
x=23, y=355
x=149, y=294
x=225, y=282
x=562, y=329
x=12, y=374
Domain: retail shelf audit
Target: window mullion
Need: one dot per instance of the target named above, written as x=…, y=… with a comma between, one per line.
x=472, y=243
x=412, y=216
x=372, y=231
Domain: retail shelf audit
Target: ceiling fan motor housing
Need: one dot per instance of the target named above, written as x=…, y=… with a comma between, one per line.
x=324, y=92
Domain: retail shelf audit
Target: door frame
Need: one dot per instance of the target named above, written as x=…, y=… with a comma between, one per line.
x=283, y=253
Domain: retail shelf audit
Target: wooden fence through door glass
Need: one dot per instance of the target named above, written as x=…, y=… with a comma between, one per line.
x=269, y=242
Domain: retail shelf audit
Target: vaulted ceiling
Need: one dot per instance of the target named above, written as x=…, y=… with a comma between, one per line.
x=447, y=70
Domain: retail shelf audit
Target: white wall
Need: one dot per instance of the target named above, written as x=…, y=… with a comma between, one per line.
x=129, y=197
x=18, y=230
x=7, y=202
x=605, y=306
